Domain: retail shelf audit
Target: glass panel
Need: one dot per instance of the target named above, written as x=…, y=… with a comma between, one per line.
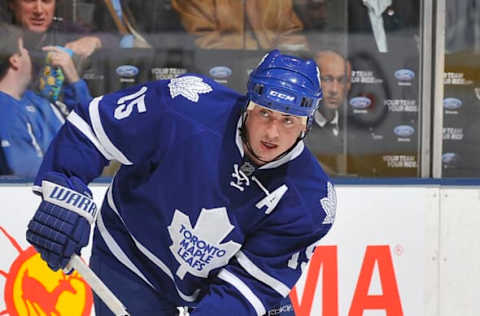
x=328, y=136
x=383, y=125
x=461, y=103
x=367, y=51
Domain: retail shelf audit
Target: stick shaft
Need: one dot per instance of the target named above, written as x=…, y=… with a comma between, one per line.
x=98, y=286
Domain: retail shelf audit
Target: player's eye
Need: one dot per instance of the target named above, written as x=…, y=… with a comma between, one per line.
x=288, y=121
x=264, y=113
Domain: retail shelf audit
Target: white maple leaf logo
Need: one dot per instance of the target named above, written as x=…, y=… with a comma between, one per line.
x=200, y=249
x=189, y=87
x=329, y=204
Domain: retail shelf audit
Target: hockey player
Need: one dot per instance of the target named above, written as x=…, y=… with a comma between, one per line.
x=217, y=205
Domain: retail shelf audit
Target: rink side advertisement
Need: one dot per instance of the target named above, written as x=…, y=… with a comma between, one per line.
x=370, y=263
x=383, y=109
x=461, y=113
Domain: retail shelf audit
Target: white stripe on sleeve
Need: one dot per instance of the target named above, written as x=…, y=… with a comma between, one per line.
x=229, y=277
x=260, y=275
x=100, y=132
x=83, y=126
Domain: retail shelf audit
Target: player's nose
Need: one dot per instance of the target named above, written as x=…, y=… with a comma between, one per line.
x=272, y=130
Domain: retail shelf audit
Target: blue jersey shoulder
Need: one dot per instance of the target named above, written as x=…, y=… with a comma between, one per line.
x=201, y=98
x=313, y=187
x=190, y=96
x=162, y=113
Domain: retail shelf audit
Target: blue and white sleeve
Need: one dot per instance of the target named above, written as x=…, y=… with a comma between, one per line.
x=126, y=126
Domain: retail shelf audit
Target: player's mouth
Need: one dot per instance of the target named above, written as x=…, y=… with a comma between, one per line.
x=268, y=145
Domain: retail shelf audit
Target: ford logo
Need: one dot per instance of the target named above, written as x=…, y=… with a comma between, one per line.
x=127, y=71
x=449, y=158
x=220, y=72
x=452, y=103
x=360, y=102
x=404, y=74
x=403, y=130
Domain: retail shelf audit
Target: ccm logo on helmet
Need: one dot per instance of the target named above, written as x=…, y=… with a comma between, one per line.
x=281, y=95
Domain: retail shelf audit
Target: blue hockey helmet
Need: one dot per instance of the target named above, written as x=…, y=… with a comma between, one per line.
x=287, y=84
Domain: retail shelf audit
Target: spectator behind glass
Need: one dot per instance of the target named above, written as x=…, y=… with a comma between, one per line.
x=312, y=13
x=327, y=137
x=73, y=89
x=141, y=23
x=28, y=122
x=249, y=24
x=335, y=74
x=42, y=33
x=37, y=17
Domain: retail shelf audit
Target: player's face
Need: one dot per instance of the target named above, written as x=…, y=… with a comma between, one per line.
x=271, y=133
x=334, y=80
x=34, y=15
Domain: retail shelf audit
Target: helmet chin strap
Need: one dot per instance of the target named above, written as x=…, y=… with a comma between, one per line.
x=244, y=135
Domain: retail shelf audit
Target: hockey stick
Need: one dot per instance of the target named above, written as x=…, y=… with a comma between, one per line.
x=97, y=286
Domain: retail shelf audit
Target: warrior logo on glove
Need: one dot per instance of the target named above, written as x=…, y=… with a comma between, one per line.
x=69, y=199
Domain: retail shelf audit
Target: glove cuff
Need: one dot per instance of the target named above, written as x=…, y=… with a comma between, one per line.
x=69, y=199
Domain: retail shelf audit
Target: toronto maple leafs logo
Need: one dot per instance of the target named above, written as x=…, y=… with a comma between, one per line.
x=189, y=87
x=199, y=249
x=329, y=204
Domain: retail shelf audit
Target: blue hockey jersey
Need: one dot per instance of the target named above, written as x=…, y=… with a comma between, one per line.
x=180, y=213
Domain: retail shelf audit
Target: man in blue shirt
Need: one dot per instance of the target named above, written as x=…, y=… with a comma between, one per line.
x=28, y=122
x=217, y=206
